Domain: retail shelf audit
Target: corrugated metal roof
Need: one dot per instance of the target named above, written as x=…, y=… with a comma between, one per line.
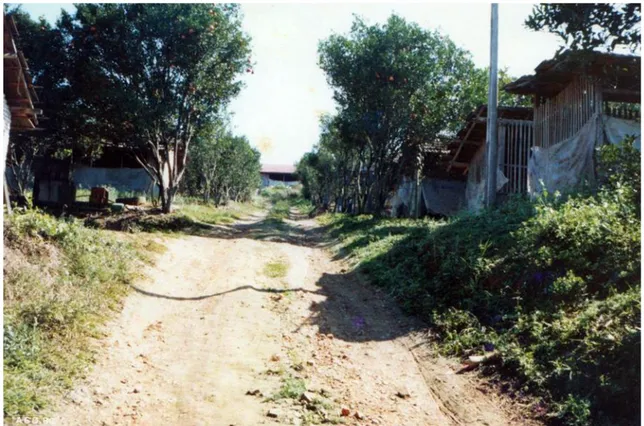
x=620, y=75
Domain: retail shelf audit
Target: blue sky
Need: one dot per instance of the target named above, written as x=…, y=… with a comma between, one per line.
x=278, y=109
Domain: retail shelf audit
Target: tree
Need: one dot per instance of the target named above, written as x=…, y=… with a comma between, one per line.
x=397, y=86
x=62, y=131
x=150, y=76
x=222, y=166
x=590, y=25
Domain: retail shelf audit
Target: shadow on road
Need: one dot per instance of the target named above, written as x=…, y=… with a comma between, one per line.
x=221, y=293
x=352, y=310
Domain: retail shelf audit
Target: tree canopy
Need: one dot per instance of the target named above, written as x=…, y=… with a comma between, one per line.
x=150, y=76
x=590, y=25
x=221, y=166
x=398, y=87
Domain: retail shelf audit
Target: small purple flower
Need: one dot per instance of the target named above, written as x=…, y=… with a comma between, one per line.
x=358, y=322
x=538, y=277
x=489, y=347
x=497, y=319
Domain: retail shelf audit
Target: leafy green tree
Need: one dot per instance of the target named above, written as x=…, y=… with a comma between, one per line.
x=61, y=130
x=150, y=76
x=590, y=25
x=222, y=166
x=398, y=86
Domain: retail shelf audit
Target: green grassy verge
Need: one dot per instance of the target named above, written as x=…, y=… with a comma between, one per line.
x=188, y=218
x=61, y=281
x=554, y=286
x=282, y=199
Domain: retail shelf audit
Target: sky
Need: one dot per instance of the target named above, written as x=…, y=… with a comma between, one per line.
x=279, y=107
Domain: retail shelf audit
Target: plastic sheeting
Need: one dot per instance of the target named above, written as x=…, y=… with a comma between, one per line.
x=563, y=165
x=122, y=179
x=402, y=196
x=616, y=129
x=569, y=163
x=442, y=196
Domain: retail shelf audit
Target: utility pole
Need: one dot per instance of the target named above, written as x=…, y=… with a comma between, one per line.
x=493, y=91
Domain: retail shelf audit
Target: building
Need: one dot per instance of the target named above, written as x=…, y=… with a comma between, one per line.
x=20, y=95
x=581, y=101
x=278, y=174
x=468, y=153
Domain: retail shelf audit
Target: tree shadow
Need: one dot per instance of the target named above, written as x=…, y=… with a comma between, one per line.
x=255, y=227
x=221, y=293
x=354, y=311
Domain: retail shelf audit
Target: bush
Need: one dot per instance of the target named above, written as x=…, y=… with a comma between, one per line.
x=553, y=285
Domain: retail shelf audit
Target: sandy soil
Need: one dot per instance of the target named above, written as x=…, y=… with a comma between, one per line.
x=209, y=326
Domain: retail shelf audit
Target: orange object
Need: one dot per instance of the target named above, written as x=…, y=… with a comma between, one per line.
x=98, y=196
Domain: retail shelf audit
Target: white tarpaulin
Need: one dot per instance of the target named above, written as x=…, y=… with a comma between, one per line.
x=616, y=129
x=569, y=163
x=402, y=196
x=563, y=165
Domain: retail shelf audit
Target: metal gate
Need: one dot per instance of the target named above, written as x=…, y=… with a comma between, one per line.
x=516, y=137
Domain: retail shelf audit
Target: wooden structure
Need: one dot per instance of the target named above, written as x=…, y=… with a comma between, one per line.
x=515, y=141
x=569, y=90
x=19, y=94
x=19, y=91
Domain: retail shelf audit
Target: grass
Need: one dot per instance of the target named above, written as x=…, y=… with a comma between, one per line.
x=292, y=388
x=282, y=199
x=190, y=218
x=209, y=214
x=553, y=285
x=276, y=269
x=62, y=281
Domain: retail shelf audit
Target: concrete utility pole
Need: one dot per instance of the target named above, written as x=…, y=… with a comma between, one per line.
x=492, y=129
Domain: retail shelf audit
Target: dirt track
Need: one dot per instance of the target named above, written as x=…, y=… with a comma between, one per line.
x=208, y=326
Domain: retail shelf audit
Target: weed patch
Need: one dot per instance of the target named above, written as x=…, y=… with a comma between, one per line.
x=553, y=285
x=62, y=281
x=276, y=269
x=292, y=388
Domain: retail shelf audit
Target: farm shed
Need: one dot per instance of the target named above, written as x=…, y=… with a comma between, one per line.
x=581, y=100
x=441, y=193
x=117, y=170
x=467, y=153
x=278, y=174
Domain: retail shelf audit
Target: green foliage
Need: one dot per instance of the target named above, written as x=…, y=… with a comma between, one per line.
x=590, y=25
x=292, y=388
x=619, y=168
x=61, y=281
x=152, y=76
x=398, y=87
x=222, y=167
x=553, y=285
x=276, y=269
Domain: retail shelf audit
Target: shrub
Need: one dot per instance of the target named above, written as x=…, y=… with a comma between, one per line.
x=552, y=284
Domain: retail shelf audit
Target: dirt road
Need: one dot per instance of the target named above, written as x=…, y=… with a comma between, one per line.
x=215, y=336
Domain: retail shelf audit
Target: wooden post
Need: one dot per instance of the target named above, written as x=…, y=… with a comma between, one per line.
x=6, y=196
x=492, y=129
x=418, y=189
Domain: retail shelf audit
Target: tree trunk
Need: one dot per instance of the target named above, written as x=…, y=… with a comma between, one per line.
x=167, y=198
